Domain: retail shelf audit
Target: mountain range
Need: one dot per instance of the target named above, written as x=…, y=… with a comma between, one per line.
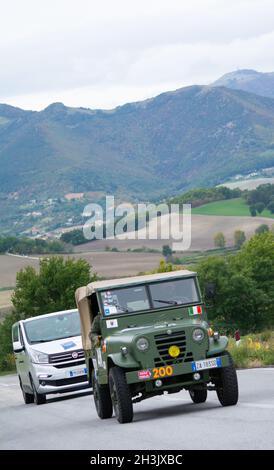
x=249, y=80
x=194, y=136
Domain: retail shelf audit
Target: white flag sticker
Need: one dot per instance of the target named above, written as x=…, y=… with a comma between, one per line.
x=112, y=323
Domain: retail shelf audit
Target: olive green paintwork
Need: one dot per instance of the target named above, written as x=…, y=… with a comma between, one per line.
x=167, y=320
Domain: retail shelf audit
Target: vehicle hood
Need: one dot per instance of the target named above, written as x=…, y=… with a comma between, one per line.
x=59, y=345
x=126, y=335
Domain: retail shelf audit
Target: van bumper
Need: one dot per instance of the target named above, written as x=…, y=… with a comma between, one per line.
x=49, y=379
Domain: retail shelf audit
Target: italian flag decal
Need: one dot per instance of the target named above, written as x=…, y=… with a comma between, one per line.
x=195, y=310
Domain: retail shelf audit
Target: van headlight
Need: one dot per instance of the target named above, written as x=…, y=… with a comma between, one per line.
x=39, y=357
x=198, y=334
x=142, y=344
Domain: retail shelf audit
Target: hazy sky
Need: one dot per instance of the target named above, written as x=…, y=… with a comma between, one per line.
x=103, y=53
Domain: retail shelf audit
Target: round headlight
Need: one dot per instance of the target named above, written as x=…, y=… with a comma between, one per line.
x=198, y=334
x=142, y=344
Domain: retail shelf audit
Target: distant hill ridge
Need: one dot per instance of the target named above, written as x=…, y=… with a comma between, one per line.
x=194, y=136
x=249, y=80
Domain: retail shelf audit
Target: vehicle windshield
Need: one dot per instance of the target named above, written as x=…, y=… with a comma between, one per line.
x=151, y=296
x=61, y=326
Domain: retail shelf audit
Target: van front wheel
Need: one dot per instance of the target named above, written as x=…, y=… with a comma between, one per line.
x=38, y=398
x=120, y=395
x=27, y=397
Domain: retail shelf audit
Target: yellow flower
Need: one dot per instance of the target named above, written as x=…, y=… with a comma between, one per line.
x=257, y=346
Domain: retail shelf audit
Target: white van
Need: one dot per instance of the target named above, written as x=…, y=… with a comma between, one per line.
x=49, y=355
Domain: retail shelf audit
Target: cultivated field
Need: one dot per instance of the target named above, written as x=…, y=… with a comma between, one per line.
x=104, y=263
x=5, y=298
x=203, y=229
x=236, y=207
x=116, y=264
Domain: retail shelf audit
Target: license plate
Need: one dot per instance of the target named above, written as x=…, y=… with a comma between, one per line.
x=77, y=372
x=206, y=364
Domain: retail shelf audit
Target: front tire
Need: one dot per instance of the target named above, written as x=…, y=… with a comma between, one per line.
x=27, y=397
x=227, y=384
x=102, y=399
x=198, y=396
x=39, y=399
x=120, y=395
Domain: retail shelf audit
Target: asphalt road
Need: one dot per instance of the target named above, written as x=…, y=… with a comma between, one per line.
x=167, y=422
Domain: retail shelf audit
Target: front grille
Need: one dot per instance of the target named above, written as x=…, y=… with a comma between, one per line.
x=66, y=356
x=163, y=343
x=69, y=364
x=68, y=381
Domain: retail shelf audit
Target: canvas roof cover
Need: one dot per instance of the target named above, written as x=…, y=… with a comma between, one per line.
x=82, y=295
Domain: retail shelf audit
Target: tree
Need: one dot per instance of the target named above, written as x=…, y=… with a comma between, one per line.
x=271, y=206
x=259, y=206
x=219, y=240
x=244, y=286
x=52, y=289
x=256, y=259
x=167, y=251
x=262, y=229
x=239, y=238
x=252, y=210
x=75, y=237
x=6, y=353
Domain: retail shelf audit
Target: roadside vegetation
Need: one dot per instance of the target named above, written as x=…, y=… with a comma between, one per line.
x=254, y=350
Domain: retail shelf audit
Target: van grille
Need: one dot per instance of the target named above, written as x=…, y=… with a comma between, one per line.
x=66, y=356
x=68, y=381
x=163, y=343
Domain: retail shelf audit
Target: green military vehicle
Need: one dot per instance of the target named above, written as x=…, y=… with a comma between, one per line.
x=150, y=337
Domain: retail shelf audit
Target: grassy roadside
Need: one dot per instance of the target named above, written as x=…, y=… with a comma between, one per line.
x=254, y=350
x=7, y=372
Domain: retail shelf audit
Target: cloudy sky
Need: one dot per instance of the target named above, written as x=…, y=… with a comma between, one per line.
x=102, y=53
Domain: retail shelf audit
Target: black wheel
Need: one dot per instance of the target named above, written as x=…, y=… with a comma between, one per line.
x=39, y=399
x=198, y=396
x=120, y=395
x=227, y=384
x=102, y=399
x=28, y=397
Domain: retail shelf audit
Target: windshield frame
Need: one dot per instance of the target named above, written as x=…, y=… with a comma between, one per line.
x=40, y=317
x=151, y=308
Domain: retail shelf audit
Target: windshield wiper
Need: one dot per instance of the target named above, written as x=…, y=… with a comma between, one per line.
x=123, y=309
x=41, y=341
x=170, y=302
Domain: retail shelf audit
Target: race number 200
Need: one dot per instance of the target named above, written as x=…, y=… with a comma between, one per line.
x=162, y=372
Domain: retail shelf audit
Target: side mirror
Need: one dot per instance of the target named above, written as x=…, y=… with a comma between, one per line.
x=210, y=290
x=17, y=347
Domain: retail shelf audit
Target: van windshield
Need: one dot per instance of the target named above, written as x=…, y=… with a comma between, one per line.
x=61, y=326
x=150, y=296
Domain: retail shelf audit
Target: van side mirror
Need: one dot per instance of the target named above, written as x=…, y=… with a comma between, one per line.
x=17, y=347
x=210, y=290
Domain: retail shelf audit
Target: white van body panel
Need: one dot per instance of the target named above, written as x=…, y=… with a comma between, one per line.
x=65, y=370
